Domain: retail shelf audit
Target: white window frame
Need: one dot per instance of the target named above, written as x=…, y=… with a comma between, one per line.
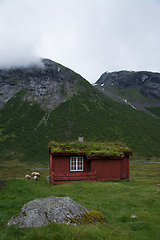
x=75, y=159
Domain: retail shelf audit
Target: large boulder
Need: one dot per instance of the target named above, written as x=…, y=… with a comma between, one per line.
x=61, y=210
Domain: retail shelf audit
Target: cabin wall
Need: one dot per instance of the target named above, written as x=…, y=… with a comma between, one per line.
x=50, y=163
x=86, y=165
x=125, y=167
x=107, y=169
x=61, y=164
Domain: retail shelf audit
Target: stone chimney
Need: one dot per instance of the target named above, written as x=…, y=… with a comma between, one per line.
x=80, y=138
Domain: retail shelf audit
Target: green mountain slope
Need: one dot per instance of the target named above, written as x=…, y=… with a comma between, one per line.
x=155, y=111
x=26, y=128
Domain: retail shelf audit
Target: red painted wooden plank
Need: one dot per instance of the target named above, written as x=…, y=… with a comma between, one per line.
x=75, y=174
x=107, y=169
x=70, y=176
x=61, y=163
x=76, y=177
x=60, y=178
x=73, y=178
x=125, y=167
x=63, y=182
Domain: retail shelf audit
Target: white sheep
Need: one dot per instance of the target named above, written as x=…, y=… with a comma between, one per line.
x=35, y=174
x=38, y=174
x=35, y=178
x=28, y=176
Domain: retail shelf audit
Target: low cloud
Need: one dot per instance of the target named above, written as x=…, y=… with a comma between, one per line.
x=20, y=33
x=88, y=36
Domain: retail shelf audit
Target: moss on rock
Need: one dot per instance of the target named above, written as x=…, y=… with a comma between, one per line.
x=87, y=217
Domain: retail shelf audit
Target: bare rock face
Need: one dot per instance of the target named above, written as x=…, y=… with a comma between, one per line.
x=61, y=210
x=148, y=83
x=49, y=84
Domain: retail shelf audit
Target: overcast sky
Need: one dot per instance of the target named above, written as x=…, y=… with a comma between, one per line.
x=88, y=36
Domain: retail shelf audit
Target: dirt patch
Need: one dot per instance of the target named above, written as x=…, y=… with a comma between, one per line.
x=2, y=184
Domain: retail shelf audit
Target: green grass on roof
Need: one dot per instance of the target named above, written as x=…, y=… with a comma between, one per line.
x=117, y=149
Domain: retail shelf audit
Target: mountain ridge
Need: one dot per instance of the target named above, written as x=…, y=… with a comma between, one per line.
x=26, y=126
x=48, y=84
x=140, y=89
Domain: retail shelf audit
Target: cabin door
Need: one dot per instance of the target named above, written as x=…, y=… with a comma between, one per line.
x=90, y=166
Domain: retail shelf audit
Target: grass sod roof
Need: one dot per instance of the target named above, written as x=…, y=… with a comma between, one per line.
x=97, y=149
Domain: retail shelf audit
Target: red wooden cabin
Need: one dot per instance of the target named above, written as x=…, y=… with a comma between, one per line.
x=65, y=168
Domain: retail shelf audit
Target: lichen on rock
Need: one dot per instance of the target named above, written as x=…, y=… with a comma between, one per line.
x=61, y=210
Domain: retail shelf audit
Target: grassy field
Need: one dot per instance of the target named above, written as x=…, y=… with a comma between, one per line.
x=117, y=201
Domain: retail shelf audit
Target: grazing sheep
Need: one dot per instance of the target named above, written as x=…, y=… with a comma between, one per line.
x=35, y=178
x=35, y=174
x=38, y=174
x=28, y=176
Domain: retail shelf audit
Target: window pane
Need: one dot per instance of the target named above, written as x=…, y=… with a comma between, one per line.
x=79, y=163
x=76, y=163
x=71, y=163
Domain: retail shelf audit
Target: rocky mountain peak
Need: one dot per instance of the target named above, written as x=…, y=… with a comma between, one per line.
x=148, y=83
x=48, y=84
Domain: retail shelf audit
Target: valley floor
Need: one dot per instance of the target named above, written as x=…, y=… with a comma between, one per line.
x=116, y=200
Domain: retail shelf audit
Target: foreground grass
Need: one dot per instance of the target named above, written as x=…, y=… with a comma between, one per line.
x=116, y=200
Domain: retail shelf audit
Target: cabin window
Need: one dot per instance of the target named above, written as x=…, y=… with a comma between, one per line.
x=76, y=164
